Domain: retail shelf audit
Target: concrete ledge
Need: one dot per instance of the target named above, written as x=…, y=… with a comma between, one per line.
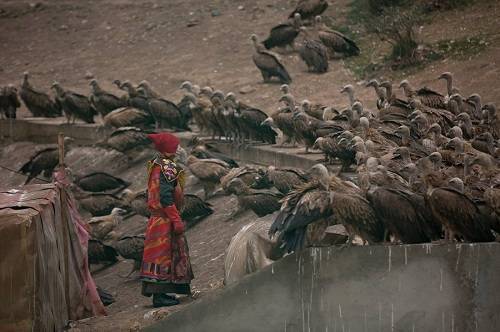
x=372, y=288
x=42, y=130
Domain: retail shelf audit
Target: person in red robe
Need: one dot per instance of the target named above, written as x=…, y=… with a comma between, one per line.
x=166, y=266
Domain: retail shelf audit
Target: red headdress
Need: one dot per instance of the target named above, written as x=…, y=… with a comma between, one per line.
x=165, y=142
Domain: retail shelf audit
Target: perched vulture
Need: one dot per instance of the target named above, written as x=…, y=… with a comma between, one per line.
x=194, y=209
x=261, y=202
x=99, y=253
x=286, y=179
x=382, y=98
x=97, y=204
x=282, y=120
x=457, y=214
x=134, y=98
x=309, y=8
x=137, y=201
x=9, y=102
x=74, y=105
x=37, y=102
x=44, y=161
x=250, y=176
x=99, y=182
x=202, y=153
x=250, y=119
x=427, y=97
x=102, y=226
x=315, y=55
x=308, y=128
x=404, y=214
x=269, y=64
x=104, y=102
x=128, y=117
x=284, y=34
x=208, y=171
x=335, y=41
x=131, y=247
x=127, y=138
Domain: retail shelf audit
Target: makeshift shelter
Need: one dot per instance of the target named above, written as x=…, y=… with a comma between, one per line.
x=44, y=275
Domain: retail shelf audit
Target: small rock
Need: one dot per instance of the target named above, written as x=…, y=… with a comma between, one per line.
x=156, y=314
x=215, y=12
x=63, y=27
x=36, y=5
x=247, y=89
x=108, y=27
x=84, y=21
x=193, y=23
x=89, y=75
x=241, y=7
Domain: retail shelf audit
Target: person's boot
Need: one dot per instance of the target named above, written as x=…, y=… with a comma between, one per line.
x=164, y=300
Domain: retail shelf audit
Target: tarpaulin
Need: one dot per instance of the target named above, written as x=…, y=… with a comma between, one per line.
x=44, y=274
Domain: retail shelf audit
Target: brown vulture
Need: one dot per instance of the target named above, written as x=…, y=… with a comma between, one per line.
x=137, y=201
x=100, y=253
x=208, y=171
x=308, y=128
x=44, y=161
x=131, y=247
x=128, y=117
x=456, y=213
x=99, y=182
x=194, y=210
x=282, y=120
x=309, y=8
x=202, y=153
x=382, y=98
x=315, y=55
x=426, y=96
x=335, y=41
x=9, y=102
x=124, y=139
x=268, y=63
x=97, y=204
x=104, y=102
x=74, y=105
x=37, y=102
x=102, y=226
x=262, y=202
x=134, y=98
x=249, y=120
x=286, y=179
x=284, y=34
x=250, y=176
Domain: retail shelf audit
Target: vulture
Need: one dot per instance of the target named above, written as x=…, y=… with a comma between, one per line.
x=250, y=119
x=269, y=64
x=456, y=213
x=128, y=117
x=450, y=89
x=97, y=204
x=286, y=179
x=100, y=253
x=284, y=34
x=134, y=98
x=37, y=102
x=44, y=161
x=131, y=247
x=283, y=121
x=382, y=98
x=208, y=171
x=9, y=102
x=314, y=54
x=202, y=152
x=309, y=8
x=194, y=209
x=137, y=201
x=104, y=102
x=99, y=182
x=165, y=112
x=262, y=202
x=251, y=176
x=308, y=129
x=335, y=41
x=403, y=214
x=425, y=95
x=492, y=119
x=124, y=139
x=74, y=105
x=102, y=226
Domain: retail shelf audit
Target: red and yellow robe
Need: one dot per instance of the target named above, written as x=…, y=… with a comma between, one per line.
x=166, y=267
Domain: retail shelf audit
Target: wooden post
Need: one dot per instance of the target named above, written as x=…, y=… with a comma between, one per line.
x=60, y=143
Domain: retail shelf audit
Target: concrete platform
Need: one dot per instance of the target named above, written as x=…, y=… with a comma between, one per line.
x=372, y=288
x=43, y=130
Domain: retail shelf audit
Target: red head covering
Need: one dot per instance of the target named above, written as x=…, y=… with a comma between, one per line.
x=165, y=142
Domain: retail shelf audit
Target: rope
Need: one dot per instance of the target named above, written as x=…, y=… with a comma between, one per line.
x=19, y=173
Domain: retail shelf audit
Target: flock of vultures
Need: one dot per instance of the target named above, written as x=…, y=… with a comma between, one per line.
x=427, y=164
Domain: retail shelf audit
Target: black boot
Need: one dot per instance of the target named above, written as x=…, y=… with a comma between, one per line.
x=164, y=300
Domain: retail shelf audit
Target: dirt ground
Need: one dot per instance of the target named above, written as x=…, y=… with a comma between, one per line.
x=207, y=42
